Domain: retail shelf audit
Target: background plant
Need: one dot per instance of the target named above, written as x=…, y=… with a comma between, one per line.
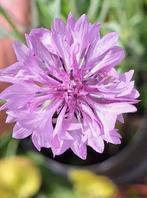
x=127, y=17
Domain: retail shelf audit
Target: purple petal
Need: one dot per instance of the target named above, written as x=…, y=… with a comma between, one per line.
x=21, y=51
x=112, y=58
x=20, y=133
x=113, y=137
x=97, y=144
x=79, y=150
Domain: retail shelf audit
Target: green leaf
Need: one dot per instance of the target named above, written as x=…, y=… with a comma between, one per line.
x=4, y=140
x=47, y=11
x=93, y=9
x=56, y=7
x=12, y=148
x=36, y=157
x=2, y=102
x=62, y=192
x=4, y=33
x=104, y=10
x=16, y=32
x=44, y=16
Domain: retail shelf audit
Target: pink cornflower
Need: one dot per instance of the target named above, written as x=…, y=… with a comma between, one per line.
x=66, y=92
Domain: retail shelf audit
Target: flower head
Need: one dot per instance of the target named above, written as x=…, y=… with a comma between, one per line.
x=66, y=92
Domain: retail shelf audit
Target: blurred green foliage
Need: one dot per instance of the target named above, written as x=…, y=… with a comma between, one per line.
x=15, y=32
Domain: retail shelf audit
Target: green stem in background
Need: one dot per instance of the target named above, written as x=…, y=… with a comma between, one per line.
x=93, y=8
x=73, y=7
x=104, y=10
x=16, y=32
x=38, y=158
x=34, y=14
x=4, y=140
x=12, y=148
x=57, y=5
x=121, y=14
x=5, y=33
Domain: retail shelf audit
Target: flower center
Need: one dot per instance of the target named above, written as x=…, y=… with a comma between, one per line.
x=72, y=89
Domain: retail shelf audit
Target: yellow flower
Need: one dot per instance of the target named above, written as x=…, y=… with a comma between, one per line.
x=89, y=185
x=19, y=178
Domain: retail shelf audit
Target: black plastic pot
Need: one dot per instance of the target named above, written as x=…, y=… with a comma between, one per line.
x=127, y=166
